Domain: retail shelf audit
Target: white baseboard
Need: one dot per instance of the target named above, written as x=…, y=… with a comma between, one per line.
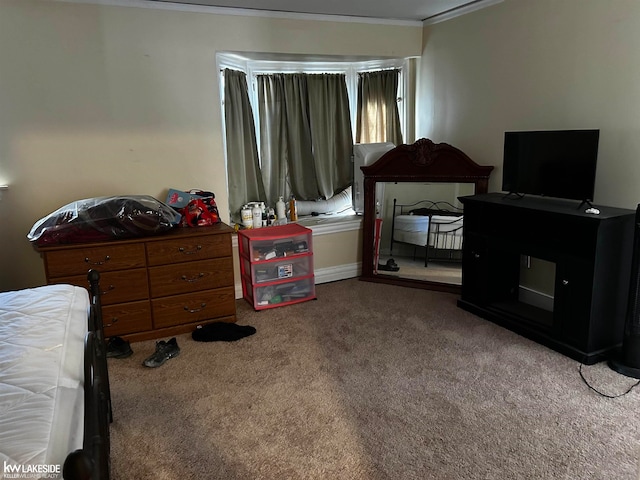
x=325, y=275
x=338, y=272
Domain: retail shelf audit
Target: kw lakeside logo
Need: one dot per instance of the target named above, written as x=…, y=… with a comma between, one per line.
x=31, y=471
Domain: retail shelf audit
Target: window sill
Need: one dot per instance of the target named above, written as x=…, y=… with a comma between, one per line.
x=325, y=224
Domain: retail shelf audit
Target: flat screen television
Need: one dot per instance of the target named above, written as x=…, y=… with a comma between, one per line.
x=553, y=163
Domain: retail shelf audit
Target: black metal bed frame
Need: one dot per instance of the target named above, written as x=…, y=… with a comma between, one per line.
x=93, y=461
x=429, y=209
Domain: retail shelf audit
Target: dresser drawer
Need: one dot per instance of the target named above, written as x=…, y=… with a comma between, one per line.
x=193, y=307
x=116, y=287
x=188, y=249
x=190, y=276
x=126, y=318
x=154, y=285
x=105, y=258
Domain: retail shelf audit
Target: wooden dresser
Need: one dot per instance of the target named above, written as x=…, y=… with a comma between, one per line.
x=156, y=286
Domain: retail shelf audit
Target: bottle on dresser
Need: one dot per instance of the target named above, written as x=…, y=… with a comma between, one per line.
x=293, y=209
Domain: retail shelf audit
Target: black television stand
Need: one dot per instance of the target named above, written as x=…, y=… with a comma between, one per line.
x=520, y=196
x=592, y=257
x=511, y=195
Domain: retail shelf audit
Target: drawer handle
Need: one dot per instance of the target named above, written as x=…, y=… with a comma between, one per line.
x=190, y=252
x=192, y=279
x=195, y=310
x=100, y=262
x=113, y=320
x=111, y=287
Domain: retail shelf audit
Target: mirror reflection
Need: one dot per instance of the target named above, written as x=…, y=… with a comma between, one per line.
x=419, y=236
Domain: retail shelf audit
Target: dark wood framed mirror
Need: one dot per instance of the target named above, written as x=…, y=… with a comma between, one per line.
x=421, y=163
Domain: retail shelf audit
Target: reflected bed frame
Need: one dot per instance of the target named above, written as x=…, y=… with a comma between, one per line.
x=422, y=161
x=443, y=232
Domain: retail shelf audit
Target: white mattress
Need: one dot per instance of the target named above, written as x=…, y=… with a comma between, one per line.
x=42, y=334
x=445, y=230
x=411, y=229
x=447, y=223
x=412, y=223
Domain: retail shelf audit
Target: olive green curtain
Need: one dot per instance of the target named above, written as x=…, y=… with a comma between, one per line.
x=331, y=133
x=305, y=135
x=244, y=176
x=378, y=119
x=285, y=137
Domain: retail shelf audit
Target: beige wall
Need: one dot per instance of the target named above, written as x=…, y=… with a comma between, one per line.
x=538, y=64
x=100, y=100
x=103, y=100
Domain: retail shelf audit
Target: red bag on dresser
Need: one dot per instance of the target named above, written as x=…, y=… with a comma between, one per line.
x=201, y=209
x=200, y=212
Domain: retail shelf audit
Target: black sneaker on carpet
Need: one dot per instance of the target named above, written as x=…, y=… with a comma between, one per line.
x=222, y=331
x=164, y=351
x=118, y=348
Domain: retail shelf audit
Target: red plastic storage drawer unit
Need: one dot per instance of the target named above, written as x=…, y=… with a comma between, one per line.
x=276, y=264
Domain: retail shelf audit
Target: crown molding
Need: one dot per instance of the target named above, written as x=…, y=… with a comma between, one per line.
x=459, y=11
x=182, y=7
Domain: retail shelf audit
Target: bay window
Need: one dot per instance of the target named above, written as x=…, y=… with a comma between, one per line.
x=288, y=125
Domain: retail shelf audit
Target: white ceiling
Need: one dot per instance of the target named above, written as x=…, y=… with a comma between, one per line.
x=408, y=10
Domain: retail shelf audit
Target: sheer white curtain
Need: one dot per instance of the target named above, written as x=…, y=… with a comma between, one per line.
x=243, y=167
x=378, y=119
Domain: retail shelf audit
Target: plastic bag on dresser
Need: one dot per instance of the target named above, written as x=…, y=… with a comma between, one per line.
x=104, y=218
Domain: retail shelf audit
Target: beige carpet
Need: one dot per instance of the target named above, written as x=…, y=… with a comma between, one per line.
x=370, y=381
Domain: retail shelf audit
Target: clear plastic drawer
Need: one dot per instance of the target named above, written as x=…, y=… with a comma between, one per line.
x=286, y=268
x=274, y=242
x=279, y=294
